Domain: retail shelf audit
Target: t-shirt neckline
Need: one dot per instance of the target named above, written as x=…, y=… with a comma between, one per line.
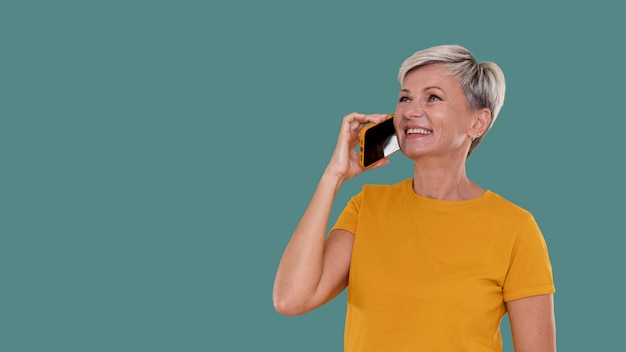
x=418, y=199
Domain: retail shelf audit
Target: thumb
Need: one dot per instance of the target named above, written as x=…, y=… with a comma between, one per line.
x=380, y=163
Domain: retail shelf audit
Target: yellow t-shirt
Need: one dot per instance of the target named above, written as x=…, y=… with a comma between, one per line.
x=433, y=275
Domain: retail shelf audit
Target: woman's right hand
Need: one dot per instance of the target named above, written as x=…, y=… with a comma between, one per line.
x=344, y=162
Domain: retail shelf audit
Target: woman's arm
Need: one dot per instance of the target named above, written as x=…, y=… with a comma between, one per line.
x=533, y=324
x=314, y=269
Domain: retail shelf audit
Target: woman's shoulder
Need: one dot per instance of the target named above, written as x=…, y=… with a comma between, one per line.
x=503, y=204
x=380, y=193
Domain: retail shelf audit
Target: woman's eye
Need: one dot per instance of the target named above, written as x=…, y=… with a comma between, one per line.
x=434, y=98
x=404, y=100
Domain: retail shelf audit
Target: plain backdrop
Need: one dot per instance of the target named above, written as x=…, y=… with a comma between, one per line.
x=155, y=157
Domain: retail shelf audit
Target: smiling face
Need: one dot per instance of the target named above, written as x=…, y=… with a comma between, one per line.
x=433, y=117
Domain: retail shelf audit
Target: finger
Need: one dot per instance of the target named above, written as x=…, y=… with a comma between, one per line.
x=380, y=163
x=377, y=118
x=355, y=121
x=355, y=117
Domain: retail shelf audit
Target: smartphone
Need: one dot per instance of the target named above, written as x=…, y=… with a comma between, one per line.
x=378, y=141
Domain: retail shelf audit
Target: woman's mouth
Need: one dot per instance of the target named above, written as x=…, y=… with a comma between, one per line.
x=422, y=131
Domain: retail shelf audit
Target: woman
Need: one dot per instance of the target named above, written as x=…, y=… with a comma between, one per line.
x=433, y=262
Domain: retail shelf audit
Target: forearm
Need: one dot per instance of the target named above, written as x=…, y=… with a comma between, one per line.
x=301, y=266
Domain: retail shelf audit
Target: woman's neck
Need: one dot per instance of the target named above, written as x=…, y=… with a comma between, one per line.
x=441, y=181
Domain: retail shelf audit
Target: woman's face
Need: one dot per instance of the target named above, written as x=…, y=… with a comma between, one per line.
x=432, y=116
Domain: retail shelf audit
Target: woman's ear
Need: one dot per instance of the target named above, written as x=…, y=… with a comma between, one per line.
x=481, y=124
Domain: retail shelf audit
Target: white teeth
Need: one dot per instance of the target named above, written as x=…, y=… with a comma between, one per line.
x=418, y=131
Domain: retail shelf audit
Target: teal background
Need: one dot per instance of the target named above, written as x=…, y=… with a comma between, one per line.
x=156, y=156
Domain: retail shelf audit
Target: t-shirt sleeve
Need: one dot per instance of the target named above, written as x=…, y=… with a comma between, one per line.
x=530, y=270
x=348, y=218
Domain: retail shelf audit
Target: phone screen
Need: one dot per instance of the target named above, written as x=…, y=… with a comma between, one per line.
x=378, y=141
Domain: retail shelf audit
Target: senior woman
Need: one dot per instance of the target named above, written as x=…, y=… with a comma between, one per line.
x=432, y=263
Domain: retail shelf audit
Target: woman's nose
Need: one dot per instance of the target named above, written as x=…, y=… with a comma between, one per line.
x=413, y=109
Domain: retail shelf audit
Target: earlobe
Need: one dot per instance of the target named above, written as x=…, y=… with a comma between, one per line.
x=481, y=124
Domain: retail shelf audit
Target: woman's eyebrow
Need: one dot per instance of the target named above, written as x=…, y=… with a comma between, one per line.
x=404, y=90
x=433, y=87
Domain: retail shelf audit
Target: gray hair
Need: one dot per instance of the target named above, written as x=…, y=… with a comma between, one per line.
x=483, y=83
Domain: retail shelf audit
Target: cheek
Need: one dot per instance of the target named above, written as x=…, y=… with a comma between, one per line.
x=396, y=123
